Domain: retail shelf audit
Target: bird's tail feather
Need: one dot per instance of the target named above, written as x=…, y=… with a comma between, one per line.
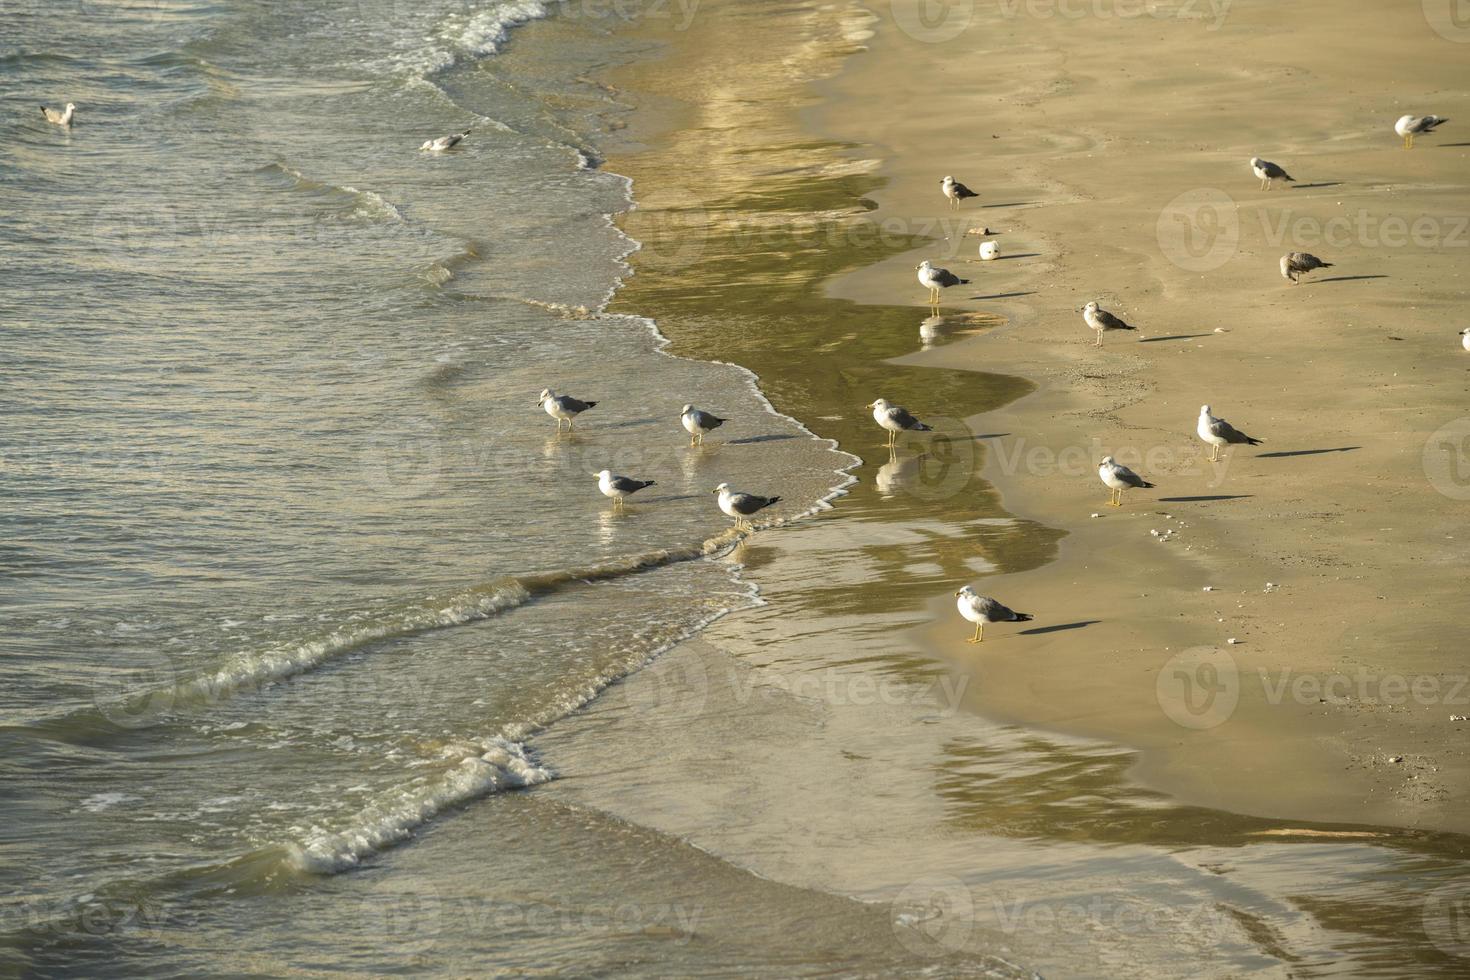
x=1253, y=442
x=921, y=427
x=1147, y=485
x=772, y=500
x=1326, y=265
x=964, y=282
x=1024, y=617
x=589, y=404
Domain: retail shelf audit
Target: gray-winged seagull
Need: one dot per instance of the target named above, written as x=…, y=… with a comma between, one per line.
x=981, y=609
x=1117, y=478
x=1218, y=432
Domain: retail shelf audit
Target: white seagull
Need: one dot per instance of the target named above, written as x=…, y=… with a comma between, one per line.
x=1101, y=320
x=741, y=505
x=563, y=408
x=935, y=279
x=1117, y=478
x=697, y=422
x=980, y=609
x=444, y=142
x=1218, y=432
x=955, y=191
x=1266, y=171
x=1465, y=338
x=896, y=419
x=60, y=118
x=1410, y=126
x=619, y=487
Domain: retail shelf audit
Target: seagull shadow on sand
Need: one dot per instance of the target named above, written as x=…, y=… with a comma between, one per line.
x=1318, y=282
x=1207, y=497
x=1320, y=183
x=1007, y=258
x=1452, y=144
x=1011, y=204
x=1173, y=336
x=1080, y=624
x=1005, y=295
x=1306, y=452
x=748, y=440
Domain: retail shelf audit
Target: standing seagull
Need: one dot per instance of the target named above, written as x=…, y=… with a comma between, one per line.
x=1101, y=320
x=896, y=419
x=619, y=487
x=60, y=118
x=1465, y=338
x=1410, y=126
x=444, y=142
x=697, y=423
x=937, y=279
x=563, y=408
x=981, y=609
x=1268, y=171
x=1293, y=264
x=741, y=505
x=1218, y=432
x=955, y=191
x=1117, y=478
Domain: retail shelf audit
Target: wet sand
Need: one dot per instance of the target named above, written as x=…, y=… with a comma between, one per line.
x=842, y=737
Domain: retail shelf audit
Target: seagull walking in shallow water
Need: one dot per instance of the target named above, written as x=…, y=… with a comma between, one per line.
x=955, y=191
x=619, y=487
x=697, y=423
x=896, y=419
x=936, y=279
x=1410, y=126
x=444, y=142
x=563, y=408
x=1294, y=264
x=1267, y=171
x=741, y=505
x=62, y=118
x=1117, y=478
x=981, y=609
x=1217, y=432
x=1101, y=320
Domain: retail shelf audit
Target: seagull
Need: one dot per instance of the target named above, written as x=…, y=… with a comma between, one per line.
x=619, y=487
x=1293, y=264
x=1410, y=126
x=1465, y=338
x=444, y=142
x=563, y=408
x=1100, y=320
x=1218, y=432
x=895, y=419
x=697, y=423
x=1268, y=171
x=60, y=118
x=741, y=505
x=1118, y=478
x=955, y=191
x=981, y=609
x=937, y=279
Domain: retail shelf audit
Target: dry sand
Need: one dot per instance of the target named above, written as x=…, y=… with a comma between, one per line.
x=1112, y=153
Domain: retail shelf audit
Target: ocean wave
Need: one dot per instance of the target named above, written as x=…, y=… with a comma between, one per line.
x=367, y=204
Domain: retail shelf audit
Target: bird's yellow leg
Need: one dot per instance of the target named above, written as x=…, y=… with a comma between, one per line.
x=976, y=637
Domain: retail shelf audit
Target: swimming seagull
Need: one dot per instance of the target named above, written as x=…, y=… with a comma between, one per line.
x=563, y=408
x=955, y=191
x=937, y=279
x=1101, y=320
x=619, y=487
x=1218, y=432
x=60, y=118
x=981, y=609
x=896, y=419
x=1118, y=478
x=1410, y=126
x=1293, y=264
x=1465, y=338
x=697, y=423
x=1268, y=171
x=444, y=142
x=741, y=505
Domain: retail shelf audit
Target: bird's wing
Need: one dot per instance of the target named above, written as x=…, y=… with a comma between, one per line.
x=946, y=278
x=962, y=191
x=1128, y=476
x=571, y=404
x=1111, y=322
x=707, y=421
x=994, y=611
x=1224, y=430
x=748, y=503
x=628, y=484
x=902, y=418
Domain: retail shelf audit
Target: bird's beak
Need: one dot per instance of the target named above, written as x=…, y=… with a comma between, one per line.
x=958, y=594
x=870, y=404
